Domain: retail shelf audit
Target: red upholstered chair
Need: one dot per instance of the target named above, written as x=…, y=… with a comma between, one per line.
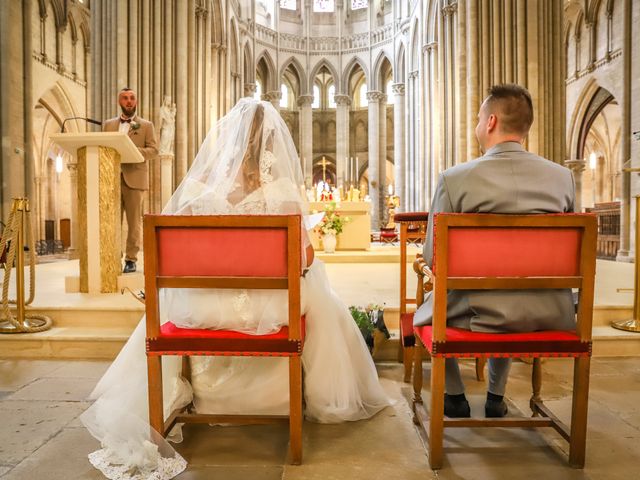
x=413, y=230
x=211, y=252
x=475, y=251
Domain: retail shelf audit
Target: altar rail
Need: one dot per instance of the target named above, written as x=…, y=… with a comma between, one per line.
x=608, y=229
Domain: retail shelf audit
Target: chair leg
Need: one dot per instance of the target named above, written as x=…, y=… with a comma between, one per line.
x=480, y=363
x=418, y=352
x=295, y=410
x=407, y=360
x=536, y=385
x=436, y=413
x=154, y=374
x=578, y=441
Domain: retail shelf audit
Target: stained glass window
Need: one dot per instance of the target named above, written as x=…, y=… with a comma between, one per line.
x=358, y=4
x=323, y=5
x=258, y=93
x=316, y=97
x=284, y=99
x=288, y=4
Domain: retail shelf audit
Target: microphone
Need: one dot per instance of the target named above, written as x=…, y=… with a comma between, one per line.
x=90, y=120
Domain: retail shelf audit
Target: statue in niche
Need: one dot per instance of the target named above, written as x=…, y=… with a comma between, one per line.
x=167, y=126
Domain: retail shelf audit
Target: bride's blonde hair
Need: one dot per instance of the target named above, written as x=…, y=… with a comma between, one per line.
x=251, y=160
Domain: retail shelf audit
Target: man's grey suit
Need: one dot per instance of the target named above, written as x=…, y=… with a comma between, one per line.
x=507, y=179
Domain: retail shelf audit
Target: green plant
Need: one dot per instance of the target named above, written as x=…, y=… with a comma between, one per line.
x=332, y=222
x=361, y=317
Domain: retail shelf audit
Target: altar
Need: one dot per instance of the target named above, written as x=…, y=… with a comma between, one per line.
x=357, y=232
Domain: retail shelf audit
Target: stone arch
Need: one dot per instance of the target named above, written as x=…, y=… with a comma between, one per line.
x=318, y=66
x=381, y=68
x=399, y=69
x=353, y=65
x=267, y=71
x=217, y=23
x=293, y=64
x=593, y=99
x=248, y=65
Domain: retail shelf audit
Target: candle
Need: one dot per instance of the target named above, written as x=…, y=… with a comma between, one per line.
x=357, y=173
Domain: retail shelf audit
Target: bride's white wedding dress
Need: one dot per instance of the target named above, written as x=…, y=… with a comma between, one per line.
x=340, y=379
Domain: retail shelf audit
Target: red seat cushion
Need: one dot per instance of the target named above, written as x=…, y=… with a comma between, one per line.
x=406, y=330
x=174, y=340
x=465, y=343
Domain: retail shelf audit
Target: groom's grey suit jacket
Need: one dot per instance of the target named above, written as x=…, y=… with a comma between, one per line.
x=507, y=179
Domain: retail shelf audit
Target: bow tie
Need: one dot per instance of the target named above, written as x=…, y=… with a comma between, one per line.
x=125, y=120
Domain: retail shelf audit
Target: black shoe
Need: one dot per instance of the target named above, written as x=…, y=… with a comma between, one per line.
x=495, y=407
x=456, y=406
x=129, y=266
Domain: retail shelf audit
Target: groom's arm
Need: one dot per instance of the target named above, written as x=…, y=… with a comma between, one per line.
x=440, y=203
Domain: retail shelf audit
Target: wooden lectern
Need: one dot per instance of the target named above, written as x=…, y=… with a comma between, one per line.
x=98, y=157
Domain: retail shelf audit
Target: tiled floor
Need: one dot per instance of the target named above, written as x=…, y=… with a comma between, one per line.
x=41, y=437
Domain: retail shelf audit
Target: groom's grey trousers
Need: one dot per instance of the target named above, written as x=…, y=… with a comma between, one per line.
x=498, y=369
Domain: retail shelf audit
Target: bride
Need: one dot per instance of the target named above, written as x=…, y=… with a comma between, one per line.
x=246, y=165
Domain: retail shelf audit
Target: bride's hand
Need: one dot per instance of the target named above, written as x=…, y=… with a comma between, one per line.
x=310, y=255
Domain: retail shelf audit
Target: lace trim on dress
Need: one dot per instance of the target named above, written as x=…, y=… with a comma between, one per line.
x=164, y=468
x=266, y=162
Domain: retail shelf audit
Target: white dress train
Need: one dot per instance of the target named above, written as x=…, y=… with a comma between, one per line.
x=340, y=380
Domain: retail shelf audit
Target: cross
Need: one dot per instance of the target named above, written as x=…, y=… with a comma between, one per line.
x=324, y=169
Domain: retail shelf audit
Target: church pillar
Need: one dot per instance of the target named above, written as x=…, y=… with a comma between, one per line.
x=577, y=166
x=474, y=95
x=374, y=98
x=342, y=139
x=306, y=137
x=398, y=141
x=382, y=171
x=274, y=97
x=73, y=186
x=627, y=150
x=182, y=97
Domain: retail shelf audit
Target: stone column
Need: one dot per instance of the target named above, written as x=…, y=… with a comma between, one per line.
x=382, y=169
x=342, y=138
x=73, y=186
x=166, y=178
x=577, y=166
x=274, y=97
x=398, y=141
x=306, y=137
x=374, y=98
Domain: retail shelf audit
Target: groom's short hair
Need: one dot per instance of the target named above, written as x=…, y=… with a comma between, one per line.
x=513, y=103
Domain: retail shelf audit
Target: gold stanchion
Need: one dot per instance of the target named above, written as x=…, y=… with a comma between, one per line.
x=633, y=325
x=13, y=242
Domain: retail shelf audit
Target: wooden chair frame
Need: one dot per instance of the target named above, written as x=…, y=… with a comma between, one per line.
x=433, y=425
x=405, y=348
x=406, y=343
x=158, y=344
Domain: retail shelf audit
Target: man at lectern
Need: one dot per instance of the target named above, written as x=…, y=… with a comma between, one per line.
x=134, y=179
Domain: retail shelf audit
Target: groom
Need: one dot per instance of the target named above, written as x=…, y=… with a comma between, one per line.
x=134, y=177
x=506, y=179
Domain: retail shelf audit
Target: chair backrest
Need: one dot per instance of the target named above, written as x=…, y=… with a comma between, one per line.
x=413, y=226
x=491, y=251
x=222, y=251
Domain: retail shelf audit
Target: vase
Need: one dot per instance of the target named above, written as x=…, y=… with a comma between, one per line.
x=329, y=242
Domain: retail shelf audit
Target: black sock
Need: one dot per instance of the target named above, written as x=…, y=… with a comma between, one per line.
x=493, y=397
x=457, y=398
